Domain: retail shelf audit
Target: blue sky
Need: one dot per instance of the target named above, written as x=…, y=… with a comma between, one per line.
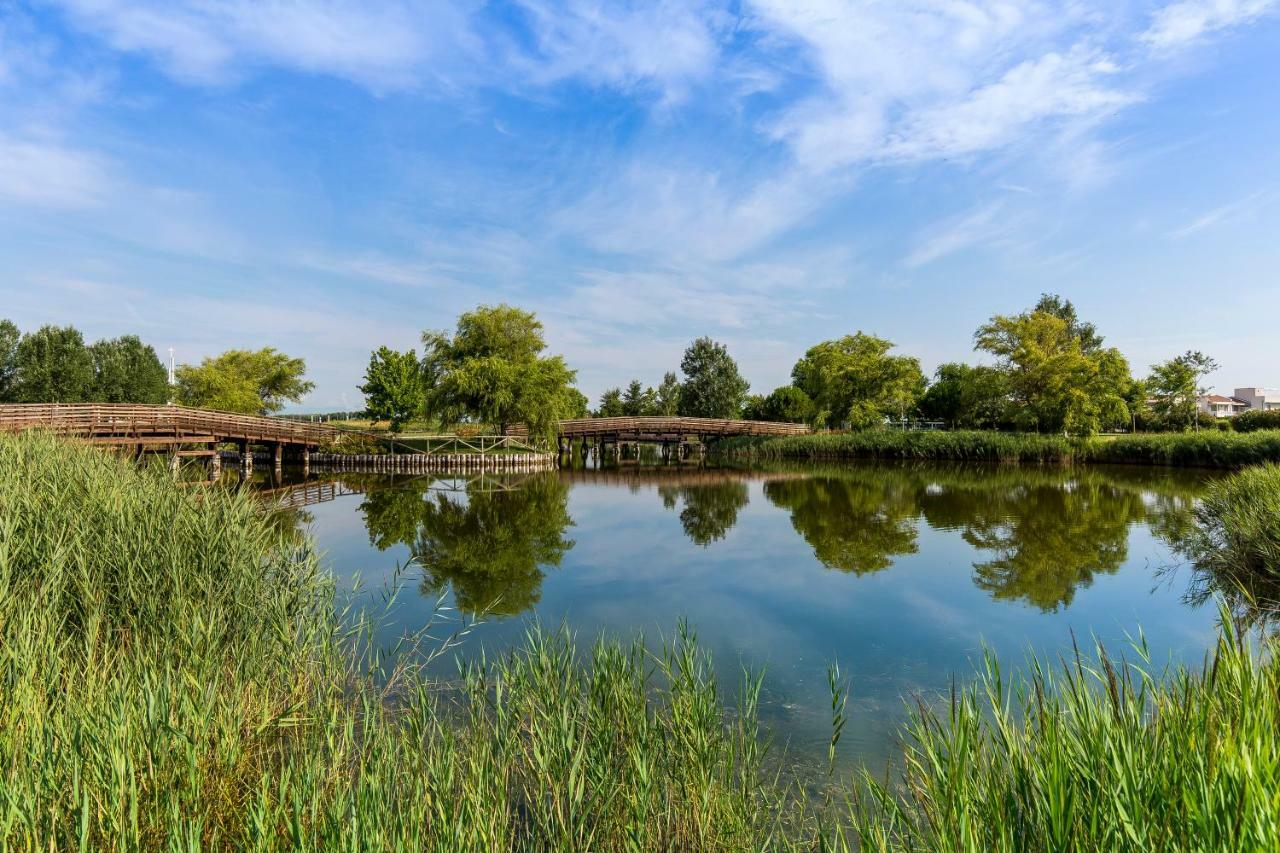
x=326, y=176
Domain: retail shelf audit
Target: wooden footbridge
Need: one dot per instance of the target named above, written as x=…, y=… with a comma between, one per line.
x=178, y=431
x=675, y=434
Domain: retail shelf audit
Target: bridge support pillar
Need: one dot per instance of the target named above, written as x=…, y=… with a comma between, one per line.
x=175, y=461
x=306, y=461
x=246, y=458
x=215, y=464
x=277, y=455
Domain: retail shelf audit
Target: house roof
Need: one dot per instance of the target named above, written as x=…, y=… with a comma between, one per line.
x=1218, y=398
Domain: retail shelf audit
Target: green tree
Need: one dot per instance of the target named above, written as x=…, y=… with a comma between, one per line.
x=9, y=337
x=964, y=395
x=854, y=381
x=393, y=388
x=492, y=368
x=577, y=404
x=1174, y=386
x=52, y=365
x=667, y=396
x=610, y=404
x=1086, y=334
x=713, y=387
x=125, y=370
x=1059, y=378
x=787, y=404
x=248, y=381
x=638, y=400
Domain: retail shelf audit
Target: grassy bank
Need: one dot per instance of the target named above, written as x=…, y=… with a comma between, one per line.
x=1202, y=449
x=173, y=673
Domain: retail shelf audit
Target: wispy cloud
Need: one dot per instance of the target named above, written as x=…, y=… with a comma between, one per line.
x=1187, y=21
x=45, y=172
x=985, y=225
x=1221, y=214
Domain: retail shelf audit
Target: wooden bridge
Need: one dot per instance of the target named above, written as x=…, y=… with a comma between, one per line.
x=175, y=430
x=674, y=434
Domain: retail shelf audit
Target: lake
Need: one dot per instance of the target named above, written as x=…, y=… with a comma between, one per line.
x=902, y=573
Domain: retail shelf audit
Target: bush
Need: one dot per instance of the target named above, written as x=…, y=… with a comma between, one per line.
x=1256, y=419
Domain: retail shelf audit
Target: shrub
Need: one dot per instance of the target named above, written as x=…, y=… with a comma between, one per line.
x=1256, y=419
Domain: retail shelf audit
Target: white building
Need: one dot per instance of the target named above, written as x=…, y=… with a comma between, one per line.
x=1259, y=399
x=1220, y=406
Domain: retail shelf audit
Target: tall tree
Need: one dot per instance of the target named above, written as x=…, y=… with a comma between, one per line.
x=492, y=368
x=53, y=365
x=9, y=337
x=1059, y=377
x=638, y=400
x=713, y=387
x=248, y=381
x=1086, y=334
x=1175, y=385
x=393, y=388
x=854, y=381
x=610, y=404
x=667, y=396
x=125, y=370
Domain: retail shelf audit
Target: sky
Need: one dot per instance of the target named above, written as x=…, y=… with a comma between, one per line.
x=328, y=176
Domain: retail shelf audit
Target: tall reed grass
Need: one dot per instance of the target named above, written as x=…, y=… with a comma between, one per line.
x=1202, y=449
x=174, y=673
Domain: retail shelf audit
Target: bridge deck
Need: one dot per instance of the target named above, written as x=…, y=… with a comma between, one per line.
x=161, y=425
x=667, y=428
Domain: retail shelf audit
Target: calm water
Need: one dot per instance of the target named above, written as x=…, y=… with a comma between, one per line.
x=900, y=572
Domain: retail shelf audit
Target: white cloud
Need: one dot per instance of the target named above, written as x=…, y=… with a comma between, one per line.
x=984, y=225
x=46, y=173
x=1189, y=20
x=622, y=44
x=378, y=43
x=1224, y=213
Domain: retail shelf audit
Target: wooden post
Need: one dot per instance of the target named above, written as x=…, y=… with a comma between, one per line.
x=246, y=458
x=215, y=464
x=277, y=455
x=306, y=460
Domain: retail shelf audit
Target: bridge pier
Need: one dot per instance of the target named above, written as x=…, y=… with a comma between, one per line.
x=246, y=459
x=277, y=455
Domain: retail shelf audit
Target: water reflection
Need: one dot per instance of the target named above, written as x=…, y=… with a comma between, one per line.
x=490, y=542
x=709, y=510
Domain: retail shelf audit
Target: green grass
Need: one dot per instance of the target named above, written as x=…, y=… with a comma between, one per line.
x=1210, y=449
x=175, y=673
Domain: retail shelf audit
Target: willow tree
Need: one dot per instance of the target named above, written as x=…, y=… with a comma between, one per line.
x=492, y=368
x=255, y=382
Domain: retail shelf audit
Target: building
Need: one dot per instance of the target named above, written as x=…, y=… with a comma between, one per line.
x=1259, y=399
x=1220, y=406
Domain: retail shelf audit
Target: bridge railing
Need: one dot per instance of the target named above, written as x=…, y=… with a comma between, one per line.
x=469, y=444
x=659, y=425
x=100, y=419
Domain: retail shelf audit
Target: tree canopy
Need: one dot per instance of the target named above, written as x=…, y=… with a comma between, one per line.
x=9, y=337
x=713, y=387
x=787, y=404
x=1174, y=386
x=1060, y=377
x=125, y=370
x=492, y=368
x=966, y=396
x=52, y=365
x=393, y=387
x=255, y=382
x=854, y=380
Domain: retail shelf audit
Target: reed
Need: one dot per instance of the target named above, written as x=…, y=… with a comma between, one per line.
x=174, y=672
x=1203, y=449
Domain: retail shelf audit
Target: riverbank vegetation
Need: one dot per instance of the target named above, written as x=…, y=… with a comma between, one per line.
x=1203, y=449
x=175, y=672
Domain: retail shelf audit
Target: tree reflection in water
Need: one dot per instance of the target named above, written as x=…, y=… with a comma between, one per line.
x=489, y=545
x=710, y=509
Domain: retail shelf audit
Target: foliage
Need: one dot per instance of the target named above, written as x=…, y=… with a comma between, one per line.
x=1237, y=531
x=1255, y=419
x=1060, y=378
x=253, y=382
x=393, y=388
x=492, y=369
x=172, y=676
x=610, y=404
x=53, y=365
x=9, y=337
x=667, y=395
x=638, y=400
x=577, y=404
x=713, y=387
x=125, y=370
x=787, y=404
x=1174, y=386
x=967, y=396
x=1095, y=754
x=1206, y=449
x=854, y=381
